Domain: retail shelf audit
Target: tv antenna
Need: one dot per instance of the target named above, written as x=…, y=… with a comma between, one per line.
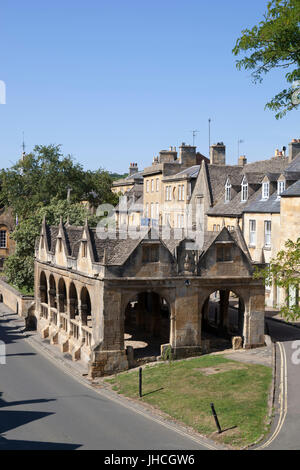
x=195, y=132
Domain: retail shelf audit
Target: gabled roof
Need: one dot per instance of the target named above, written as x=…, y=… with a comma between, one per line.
x=190, y=172
x=259, y=205
x=292, y=191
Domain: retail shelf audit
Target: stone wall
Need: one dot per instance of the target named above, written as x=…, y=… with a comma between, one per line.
x=21, y=304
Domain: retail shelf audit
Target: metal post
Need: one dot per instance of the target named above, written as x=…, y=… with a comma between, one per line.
x=216, y=417
x=140, y=382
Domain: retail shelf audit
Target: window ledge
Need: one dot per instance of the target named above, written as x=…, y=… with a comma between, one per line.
x=267, y=248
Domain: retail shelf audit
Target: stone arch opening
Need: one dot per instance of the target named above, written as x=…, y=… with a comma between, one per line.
x=73, y=299
x=62, y=295
x=43, y=288
x=222, y=318
x=147, y=324
x=86, y=308
x=52, y=291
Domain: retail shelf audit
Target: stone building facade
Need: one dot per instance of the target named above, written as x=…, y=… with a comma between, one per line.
x=98, y=294
x=7, y=225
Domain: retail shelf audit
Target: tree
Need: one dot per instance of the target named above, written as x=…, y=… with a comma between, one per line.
x=275, y=44
x=284, y=272
x=46, y=173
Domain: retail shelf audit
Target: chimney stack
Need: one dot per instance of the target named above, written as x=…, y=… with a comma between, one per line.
x=242, y=160
x=133, y=168
x=294, y=149
x=218, y=154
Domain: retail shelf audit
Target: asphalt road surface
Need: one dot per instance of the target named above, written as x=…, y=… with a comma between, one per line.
x=287, y=436
x=42, y=407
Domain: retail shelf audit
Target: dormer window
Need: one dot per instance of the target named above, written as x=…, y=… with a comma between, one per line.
x=59, y=240
x=280, y=187
x=265, y=190
x=227, y=191
x=244, y=190
x=84, y=248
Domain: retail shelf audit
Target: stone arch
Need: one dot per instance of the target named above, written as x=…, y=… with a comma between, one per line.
x=52, y=291
x=86, y=306
x=62, y=296
x=223, y=316
x=147, y=321
x=73, y=301
x=43, y=288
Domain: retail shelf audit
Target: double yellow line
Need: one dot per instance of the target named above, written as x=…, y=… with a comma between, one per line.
x=282, y=398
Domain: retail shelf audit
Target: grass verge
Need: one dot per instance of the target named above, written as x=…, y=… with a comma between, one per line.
x=185, y=389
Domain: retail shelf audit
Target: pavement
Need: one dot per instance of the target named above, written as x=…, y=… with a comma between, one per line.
x=46, y=403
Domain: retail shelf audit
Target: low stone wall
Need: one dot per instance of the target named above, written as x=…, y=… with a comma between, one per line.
x=21, y=304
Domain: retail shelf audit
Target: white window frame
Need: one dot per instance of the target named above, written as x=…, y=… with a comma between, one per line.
x=252, y=232
x=147, y=186
x=227, y=191
x=244, y=190
x=152, y=210
x=157, y=184
x=179, y=193
x=152, y=186
x=280, y=187
x=266, y=190
x=267, y=234
x=182, y=193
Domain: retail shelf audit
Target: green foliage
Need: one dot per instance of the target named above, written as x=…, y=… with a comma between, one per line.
x=167, y=354
x=19, y=271
x=274, y=43
x=37, y=186
x=45, y=174
x=284, y=272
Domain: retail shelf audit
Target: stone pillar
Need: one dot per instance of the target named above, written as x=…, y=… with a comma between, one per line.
x=254, y=321
x=224, y=305
x=187, y=341
x=108, y=354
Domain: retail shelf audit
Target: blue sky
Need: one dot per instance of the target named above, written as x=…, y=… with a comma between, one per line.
x=115, y=81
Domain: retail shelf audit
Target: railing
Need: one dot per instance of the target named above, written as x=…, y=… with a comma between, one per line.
x=75, y=328
x=87, y=334
x=44, y=311
x=64, y=321
x=53, y=316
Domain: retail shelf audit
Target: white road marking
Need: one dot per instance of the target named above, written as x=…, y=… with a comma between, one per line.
x=283, y=396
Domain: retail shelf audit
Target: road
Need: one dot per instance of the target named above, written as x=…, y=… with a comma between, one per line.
x=286, y=433
x=43, y=407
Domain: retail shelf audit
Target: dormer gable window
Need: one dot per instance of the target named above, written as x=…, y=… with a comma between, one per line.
x=280, y=187
x=244, y=190
x=84, y=249
x=266, y=190
x=227, y=191
x=59, y=242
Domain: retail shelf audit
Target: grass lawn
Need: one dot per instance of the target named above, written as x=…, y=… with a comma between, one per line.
x=185, y=389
